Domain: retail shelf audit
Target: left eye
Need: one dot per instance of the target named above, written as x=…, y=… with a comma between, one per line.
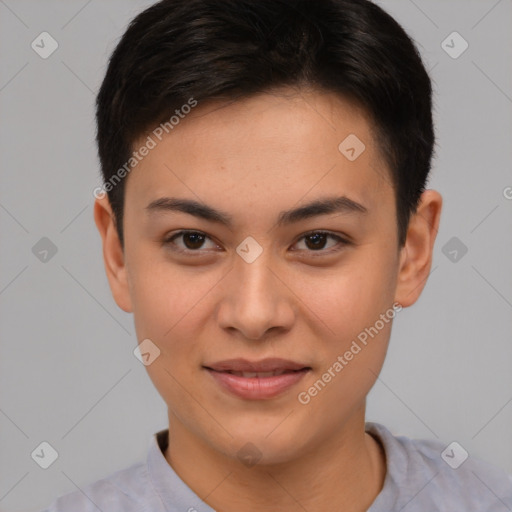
x=194, y=240
x=317, y=240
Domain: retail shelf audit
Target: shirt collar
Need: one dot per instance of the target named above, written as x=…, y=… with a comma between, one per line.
x=175, y=494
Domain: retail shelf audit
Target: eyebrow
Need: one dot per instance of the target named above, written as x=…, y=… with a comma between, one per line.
x=323, y=206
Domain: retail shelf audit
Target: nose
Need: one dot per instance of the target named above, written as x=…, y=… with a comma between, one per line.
x=256, y=299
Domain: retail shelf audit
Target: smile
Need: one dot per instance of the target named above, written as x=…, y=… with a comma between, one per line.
x=257, y=380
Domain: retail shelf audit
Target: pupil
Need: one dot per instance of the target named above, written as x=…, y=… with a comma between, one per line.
x=194, y=236
x=317, y=237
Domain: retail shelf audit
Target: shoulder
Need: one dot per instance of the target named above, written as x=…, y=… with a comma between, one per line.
x=445, y=475
x=125, y=490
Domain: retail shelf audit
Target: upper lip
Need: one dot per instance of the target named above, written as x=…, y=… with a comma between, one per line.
x=263, y=365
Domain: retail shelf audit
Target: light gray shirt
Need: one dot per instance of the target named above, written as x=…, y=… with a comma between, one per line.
x=422, y=475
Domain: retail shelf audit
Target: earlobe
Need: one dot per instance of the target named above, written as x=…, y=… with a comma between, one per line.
x=416, y=255
x=113, y=254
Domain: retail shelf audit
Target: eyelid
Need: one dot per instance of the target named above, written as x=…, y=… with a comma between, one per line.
x=340, y=236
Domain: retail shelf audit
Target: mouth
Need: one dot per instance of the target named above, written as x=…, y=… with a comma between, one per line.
x=259, y=375
x=257, y=380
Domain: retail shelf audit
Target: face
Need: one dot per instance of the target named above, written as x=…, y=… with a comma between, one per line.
x=258, y=300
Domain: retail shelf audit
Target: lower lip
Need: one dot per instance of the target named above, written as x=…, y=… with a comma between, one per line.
x=257, y=388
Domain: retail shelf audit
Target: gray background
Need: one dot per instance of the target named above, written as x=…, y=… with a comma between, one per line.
x=67, y=372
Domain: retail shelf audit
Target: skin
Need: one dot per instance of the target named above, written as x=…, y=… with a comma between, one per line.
x=253, y=159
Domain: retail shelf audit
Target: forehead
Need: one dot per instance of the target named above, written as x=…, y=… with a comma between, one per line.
x=300, y=144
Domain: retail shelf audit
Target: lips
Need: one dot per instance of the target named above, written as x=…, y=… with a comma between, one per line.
x=262, y=366
x=261, y=375
x=257, y=380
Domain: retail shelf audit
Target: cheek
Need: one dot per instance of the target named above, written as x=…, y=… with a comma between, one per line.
x=156, y=304
x=168, y=310
x=169, y=307
x=352, y=298
x=355, y=347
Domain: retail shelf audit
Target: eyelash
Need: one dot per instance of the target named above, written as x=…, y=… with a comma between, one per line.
x=169, y=242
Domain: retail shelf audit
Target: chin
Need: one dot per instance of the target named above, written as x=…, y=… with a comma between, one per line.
x=265, y=444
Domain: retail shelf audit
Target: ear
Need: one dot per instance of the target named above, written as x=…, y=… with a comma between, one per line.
x=113, y=254
x=416, y=255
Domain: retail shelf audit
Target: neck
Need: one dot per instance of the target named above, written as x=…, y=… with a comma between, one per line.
x=346, y=472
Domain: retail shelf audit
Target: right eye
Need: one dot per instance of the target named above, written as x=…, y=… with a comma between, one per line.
x=192, y=241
